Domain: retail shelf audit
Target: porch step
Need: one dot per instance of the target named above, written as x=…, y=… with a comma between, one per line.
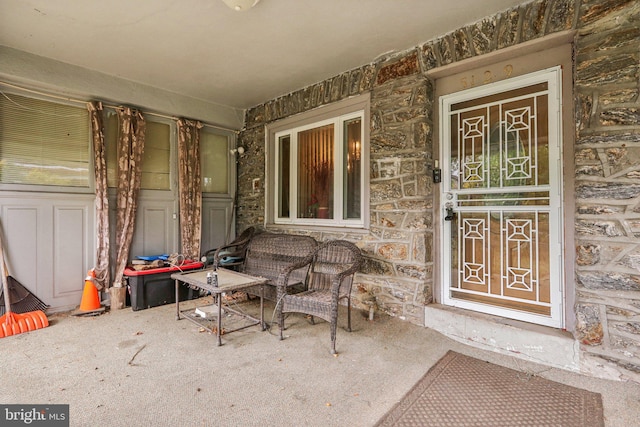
x=540, y=344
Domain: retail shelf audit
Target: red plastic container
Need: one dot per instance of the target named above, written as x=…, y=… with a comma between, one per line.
x=154, y=287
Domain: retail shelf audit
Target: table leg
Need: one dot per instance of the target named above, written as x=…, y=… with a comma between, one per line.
x=219, y=332
x=177, y=301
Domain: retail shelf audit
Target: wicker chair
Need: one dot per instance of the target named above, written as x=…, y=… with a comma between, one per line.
x=280, y=258
x=333, y=265
x=232, y=254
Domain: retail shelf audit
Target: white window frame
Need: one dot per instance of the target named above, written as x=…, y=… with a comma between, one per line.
x=336, y=114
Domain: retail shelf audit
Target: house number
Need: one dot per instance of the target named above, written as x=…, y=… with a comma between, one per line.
x=487, y=77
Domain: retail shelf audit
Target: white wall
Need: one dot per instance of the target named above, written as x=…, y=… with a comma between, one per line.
x=23, y=68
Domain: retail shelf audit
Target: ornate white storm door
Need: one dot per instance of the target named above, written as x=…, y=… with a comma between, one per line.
x=501, y=198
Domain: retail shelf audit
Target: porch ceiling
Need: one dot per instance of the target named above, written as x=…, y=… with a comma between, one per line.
x=203, y=49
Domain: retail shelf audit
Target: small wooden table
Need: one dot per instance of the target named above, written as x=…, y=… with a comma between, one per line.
x=228, y=281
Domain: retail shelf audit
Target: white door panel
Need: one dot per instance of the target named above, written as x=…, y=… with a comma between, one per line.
x=156, y=230
x=216, y=218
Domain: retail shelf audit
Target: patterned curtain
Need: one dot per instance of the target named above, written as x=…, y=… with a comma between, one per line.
x=130, y=151
x=315, y=172
x=190, y=187
x=102, y=201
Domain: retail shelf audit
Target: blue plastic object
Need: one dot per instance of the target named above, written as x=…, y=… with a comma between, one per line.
x=163, y=257
x=230, y=259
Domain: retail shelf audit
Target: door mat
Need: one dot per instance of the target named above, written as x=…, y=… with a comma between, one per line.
x=463, y=391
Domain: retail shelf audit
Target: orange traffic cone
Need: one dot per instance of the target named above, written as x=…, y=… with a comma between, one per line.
x=90, y=303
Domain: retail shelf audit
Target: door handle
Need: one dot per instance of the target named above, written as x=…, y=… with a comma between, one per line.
x=451, y=215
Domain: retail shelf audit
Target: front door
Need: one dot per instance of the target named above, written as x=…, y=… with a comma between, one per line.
x=501, y=198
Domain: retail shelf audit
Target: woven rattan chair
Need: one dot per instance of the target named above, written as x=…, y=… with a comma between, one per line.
x=280, y=258
x=333, y=266
x=232, y=254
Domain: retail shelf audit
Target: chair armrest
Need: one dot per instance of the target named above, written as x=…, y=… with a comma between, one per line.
x=336, y=281
x=283, y=277
x=236, y=244
x=216, y=254
x=212, y=256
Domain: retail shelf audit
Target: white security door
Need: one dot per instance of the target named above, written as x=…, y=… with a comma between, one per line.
x=501, y=198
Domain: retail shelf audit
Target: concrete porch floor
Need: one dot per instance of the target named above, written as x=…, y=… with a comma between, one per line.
x=144, y=368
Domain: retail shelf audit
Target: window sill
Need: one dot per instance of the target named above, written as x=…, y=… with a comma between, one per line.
x=319, y=228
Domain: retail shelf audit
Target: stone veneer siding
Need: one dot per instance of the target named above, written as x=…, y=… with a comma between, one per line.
x=398, y=275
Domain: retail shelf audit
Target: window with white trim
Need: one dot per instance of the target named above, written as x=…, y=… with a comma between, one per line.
x=319, y=172
x=214, y=161
x=156, y=160
x=44, y=143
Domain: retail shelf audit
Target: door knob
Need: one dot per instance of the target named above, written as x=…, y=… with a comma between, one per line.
x=451, y=215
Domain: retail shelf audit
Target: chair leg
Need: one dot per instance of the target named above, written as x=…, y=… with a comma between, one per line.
x=334, y=325
x=313, y=322
x=281, y=324
x=348, y=316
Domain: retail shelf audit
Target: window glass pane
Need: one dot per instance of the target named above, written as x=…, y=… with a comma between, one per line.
x=502, y=139
x=156, y=161
x=284, y=147
x=352, y=154
x=43, y=143
x=157, y=155
x=214, y=157
x=315, y=172
x=110, y=140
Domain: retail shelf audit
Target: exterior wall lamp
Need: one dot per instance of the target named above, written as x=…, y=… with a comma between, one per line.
x=240, y=5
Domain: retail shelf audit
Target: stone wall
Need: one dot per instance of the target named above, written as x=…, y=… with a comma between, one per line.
x=398, y=273
x=608, y=182
x=398, y=276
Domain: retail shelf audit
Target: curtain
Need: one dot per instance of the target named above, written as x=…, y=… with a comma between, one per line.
x=130, y=150
x=189, y=187
x=102, y=201
x=315, y=172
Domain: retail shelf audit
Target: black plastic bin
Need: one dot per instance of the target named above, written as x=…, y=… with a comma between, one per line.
x=155, y=287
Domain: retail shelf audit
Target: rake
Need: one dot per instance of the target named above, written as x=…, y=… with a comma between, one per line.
x=21, y=299
x=17, y=323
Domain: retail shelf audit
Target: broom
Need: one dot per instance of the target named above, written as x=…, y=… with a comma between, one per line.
x=13, y=323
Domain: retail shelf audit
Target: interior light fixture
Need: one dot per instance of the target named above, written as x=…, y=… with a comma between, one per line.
x=240, y=5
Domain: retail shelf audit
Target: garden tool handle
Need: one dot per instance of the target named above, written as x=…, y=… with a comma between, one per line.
x=5, y=283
